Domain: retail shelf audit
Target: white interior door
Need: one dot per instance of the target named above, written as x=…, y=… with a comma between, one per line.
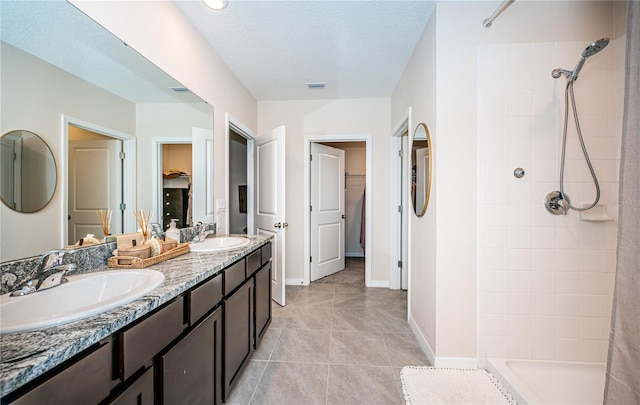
x=95, y=183
x=270, y=203
x=327, y=211
x=202, y=176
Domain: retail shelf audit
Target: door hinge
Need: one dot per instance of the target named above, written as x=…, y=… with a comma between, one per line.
x=122, y=155
x=310, y=259
x=310, y=157
x=123, y=206
x=311, y=208
x=14, y=156
x=400, y=209
x=400, y=263
x=400, y=153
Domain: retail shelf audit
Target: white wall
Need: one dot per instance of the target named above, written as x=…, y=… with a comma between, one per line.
x=453, y=45
x=546, y=282
x=332, y=117
x=35, y=95
x=172, y=44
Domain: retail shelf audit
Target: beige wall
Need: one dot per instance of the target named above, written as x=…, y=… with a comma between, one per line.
x=27, y=103
x=416, y=90
x=163, y=121
x=172, y=44
x=177, y=156
x=332, y=117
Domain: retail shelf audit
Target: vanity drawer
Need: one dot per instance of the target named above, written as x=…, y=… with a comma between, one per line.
x=204, y=297
x=254, y=262
x=87, y=381
x=266, y=253
x=144, y=340
x=234, y=275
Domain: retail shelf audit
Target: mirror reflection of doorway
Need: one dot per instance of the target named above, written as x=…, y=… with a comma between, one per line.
x=237, y=183
x=177, y=187
x=95, y=182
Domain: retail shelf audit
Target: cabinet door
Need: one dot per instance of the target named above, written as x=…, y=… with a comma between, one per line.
x=262, y=302
x=84, y=382
x=190, y=370
x=139, y=393
x=238, y=334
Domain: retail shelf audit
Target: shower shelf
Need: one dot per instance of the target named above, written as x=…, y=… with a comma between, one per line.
x=595, y=214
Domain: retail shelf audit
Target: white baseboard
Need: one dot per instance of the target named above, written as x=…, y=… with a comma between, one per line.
x=456, y=362
x=426, y=348
x=378, y=284
x=294, y=281
x=444, y=362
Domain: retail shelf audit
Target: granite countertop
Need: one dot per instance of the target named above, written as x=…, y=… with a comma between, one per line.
x=25, y=356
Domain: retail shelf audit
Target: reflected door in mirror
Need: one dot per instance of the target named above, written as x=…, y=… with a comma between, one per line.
x=28, y=171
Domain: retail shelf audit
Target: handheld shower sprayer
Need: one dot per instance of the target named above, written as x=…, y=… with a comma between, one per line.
x=557, y=202
x=592, y=49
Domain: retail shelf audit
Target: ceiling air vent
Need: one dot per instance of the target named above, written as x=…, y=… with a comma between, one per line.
x=316, y=85
x=179, y=89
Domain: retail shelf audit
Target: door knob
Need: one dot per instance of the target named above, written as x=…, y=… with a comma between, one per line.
x=285, y=224
x=277, y=225
x=344, y=216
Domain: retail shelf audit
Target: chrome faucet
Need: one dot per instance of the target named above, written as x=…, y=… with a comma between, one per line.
x=50, y=273
x=201, y=233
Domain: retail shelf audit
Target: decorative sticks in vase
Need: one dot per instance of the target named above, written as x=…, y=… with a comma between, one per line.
x=105, y=221
x=144, y=221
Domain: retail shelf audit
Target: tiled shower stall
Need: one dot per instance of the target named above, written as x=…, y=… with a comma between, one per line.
x=546, y=282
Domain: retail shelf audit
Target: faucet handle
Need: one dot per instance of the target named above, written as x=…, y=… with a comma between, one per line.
x=53, y=257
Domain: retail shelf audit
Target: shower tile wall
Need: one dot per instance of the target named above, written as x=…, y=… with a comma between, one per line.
x=546, y=282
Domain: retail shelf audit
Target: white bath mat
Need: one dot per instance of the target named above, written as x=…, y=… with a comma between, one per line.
x=431, y=385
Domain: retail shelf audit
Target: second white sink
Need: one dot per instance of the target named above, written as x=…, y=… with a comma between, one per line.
x=219, y=244
x=82, y=296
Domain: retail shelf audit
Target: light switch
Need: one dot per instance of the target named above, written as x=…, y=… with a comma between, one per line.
x=221, y=204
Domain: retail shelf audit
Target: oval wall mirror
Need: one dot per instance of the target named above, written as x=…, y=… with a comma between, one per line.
x=421, y=157
x=28, y=171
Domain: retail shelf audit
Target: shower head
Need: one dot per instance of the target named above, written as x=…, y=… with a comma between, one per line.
x=595, y=47
x=592, y=49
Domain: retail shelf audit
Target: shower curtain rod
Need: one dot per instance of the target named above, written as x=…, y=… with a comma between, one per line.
x=486, y=23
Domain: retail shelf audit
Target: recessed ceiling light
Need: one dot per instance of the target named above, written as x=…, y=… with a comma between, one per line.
x=216, y=4
x=316, y=85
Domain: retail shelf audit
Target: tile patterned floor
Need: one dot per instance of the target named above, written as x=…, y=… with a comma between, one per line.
x=333, y=343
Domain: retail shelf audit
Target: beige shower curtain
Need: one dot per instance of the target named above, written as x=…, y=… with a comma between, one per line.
x=623, y=365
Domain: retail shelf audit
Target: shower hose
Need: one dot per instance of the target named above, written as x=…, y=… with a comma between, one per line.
x=568, y=91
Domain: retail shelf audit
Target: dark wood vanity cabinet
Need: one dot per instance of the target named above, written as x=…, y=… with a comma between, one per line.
x=189, y=372
x=192, y=350
x=85, y=380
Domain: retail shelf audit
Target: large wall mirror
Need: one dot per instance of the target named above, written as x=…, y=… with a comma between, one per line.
x=28, y=171
x=421, y=163
x=58, y=65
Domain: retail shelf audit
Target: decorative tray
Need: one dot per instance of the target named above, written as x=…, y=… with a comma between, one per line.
x=129, y=262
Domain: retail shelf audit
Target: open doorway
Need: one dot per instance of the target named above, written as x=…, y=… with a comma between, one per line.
x=351, y=253
x=238, y=200
x=177, y=188
x=348, y=206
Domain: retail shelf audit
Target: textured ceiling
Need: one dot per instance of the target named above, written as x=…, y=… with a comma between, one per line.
x=58, y=33
x=359, y=48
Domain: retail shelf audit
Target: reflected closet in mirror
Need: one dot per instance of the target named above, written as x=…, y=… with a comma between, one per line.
x=421, y=163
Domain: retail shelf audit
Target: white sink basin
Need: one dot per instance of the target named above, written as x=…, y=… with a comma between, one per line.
x=81, y=297
x=219, y=244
